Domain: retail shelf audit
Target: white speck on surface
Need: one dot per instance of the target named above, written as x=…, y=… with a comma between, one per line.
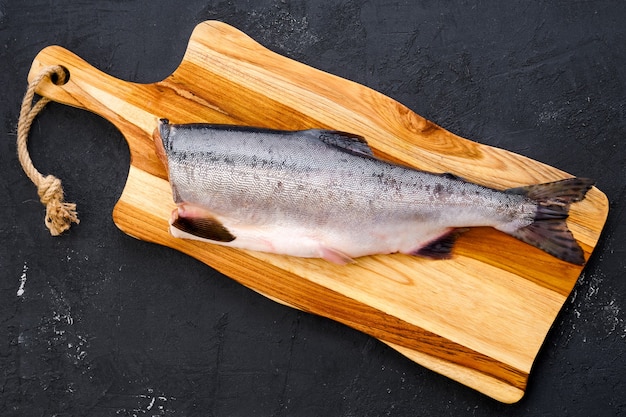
x=66, y=317
x=20, y=290
x=613, y=320
x=550, y=113
x=288, y=32
x=598, y=313
x=150, y=403
x=547, y=116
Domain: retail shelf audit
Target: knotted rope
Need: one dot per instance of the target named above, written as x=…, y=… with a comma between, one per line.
x=59, y=214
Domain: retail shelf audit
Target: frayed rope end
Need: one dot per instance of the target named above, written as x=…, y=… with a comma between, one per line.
x=59, y=214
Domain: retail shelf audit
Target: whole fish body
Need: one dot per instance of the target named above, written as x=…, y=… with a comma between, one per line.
x=323, y=194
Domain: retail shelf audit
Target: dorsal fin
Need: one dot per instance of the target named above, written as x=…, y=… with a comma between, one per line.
x=343, y=140
x=451, y=176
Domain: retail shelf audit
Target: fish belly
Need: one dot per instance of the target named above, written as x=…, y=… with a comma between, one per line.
x=310, y=240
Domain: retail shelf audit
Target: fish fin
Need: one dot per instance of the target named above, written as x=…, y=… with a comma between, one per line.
x=335, y=256
x=344, y=141
x=561, y=192
x=549, y=231
x=441, y=247
x=202, y=227
x=451, y=176
x=553, y=237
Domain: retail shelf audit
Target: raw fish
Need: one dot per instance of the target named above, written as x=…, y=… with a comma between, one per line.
x=323, y=194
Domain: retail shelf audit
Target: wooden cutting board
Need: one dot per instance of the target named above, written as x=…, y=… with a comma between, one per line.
x=479, y=318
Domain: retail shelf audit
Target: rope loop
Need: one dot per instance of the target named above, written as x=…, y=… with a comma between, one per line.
x=59, y=214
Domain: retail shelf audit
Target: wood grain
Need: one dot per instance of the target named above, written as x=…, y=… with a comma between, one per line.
x=479, y=318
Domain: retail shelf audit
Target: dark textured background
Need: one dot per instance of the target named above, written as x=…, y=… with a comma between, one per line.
x=111, y=326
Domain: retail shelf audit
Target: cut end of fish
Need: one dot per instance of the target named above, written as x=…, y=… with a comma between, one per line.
x=159, y=135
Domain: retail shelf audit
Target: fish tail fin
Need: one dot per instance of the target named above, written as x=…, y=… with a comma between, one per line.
x=549, y=230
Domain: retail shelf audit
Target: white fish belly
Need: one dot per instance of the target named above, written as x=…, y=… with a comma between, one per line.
x=336, y=244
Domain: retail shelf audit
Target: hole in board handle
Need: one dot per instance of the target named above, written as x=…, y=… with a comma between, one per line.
x=57, y=80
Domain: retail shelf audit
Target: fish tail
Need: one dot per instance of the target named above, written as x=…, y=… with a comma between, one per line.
x=549, y=230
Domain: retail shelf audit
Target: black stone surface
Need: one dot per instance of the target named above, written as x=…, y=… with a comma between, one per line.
x=111, y=326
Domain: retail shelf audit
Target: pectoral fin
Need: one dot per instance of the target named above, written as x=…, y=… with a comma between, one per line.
x=199, y=224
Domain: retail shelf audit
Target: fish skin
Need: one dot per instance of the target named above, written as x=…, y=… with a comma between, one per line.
x=319, y=193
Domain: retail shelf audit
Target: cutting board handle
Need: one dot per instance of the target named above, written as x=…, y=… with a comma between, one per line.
x=90, y=89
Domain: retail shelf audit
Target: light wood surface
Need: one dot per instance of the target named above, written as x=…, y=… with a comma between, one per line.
x=479, y=318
